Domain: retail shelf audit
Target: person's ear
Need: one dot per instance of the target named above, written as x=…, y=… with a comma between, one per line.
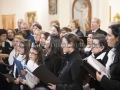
x=117, y=38
x=102, y=47
x=70, y=45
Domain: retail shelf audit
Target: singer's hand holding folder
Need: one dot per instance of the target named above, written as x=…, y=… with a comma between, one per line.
x=8, y=66
x=30, y=75
x=12, y=79
x=92, y=65
x=45, y=75
x=19, y=68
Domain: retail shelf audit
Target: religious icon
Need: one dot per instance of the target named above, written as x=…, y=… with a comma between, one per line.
x=52, y=6
x=31, y=17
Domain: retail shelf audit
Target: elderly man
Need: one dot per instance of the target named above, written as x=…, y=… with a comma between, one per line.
x=25, y=28
x=19, y=25
x=95, y=26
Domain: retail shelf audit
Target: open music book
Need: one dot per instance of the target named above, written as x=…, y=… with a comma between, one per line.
x=92, y=65
x=11, y=78
x=45, y=75
x=42, y=72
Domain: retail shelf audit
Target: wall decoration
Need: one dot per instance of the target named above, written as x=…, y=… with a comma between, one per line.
x=81, y=9
x=117, y=17
x=52, y=7
x=31, y=17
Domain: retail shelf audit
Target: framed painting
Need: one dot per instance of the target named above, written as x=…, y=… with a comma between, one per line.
x=52, y=6
x=31, y=17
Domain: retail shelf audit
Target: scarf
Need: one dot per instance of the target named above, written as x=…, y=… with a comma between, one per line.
x=111, y=56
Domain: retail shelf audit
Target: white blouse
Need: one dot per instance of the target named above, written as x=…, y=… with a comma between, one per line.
x=10, y=42
x=10, y=59
x=20, y=58
x=31, y=81
x=111, y=56
x=32, y=65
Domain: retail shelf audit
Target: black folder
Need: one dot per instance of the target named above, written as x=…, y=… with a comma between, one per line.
x=92, y=65
x=9, y=77
x=89, y=68
x=12, y=79
x=45, y=75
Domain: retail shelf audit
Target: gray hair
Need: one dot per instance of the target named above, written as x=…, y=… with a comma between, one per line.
x=98, y=20
x=24, y=23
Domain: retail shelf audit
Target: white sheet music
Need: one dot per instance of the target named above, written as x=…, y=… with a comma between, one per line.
x=96, y=64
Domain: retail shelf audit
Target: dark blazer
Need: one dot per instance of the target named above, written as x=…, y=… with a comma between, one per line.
x=79, y=34
x=71, y=74
x=114, y=82
x=16, y=30
x=94, y=83
x=98, y=31
x=53, y=64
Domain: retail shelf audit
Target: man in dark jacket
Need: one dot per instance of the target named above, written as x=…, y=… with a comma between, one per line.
x=95, y=26
x=19, y=25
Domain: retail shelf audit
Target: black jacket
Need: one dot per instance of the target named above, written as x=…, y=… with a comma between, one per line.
x=79, y=34
x=71, y=74
x=53, y=64
x=114, y=82
x=5, y=50
x=94, y=83
x=98, y=31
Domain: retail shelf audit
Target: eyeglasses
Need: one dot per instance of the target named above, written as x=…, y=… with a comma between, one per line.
x=32, y=53
x=95, y=45
x=10, y=32
x=63, y=44
x=15, y=41
x=37, y=35
x=63, y=32
x=23, y=28
x=20, y=46
x=4, y=35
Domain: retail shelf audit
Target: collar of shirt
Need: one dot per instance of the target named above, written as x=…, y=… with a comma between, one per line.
x=75, y=30
x=94, y=30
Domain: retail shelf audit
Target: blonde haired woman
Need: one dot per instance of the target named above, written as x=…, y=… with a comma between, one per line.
x=13, y=53
x=75, y=27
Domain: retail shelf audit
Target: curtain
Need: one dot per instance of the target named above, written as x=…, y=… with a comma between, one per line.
x=8, y=21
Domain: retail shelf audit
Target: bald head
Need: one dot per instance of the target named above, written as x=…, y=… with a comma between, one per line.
x=112, y=23
x=19, y=23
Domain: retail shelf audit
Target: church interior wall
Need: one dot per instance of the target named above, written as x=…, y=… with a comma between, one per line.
x=100, y=9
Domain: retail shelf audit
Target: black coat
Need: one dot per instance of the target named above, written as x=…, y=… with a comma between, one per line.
x=71, y=74
x=5, y=50
x=114, y=82
x=99, y=31
x=79, y=34
x=53, y=64
x=94, y=83
x=16, y=30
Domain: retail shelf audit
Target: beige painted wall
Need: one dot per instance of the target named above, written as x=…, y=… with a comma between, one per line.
x=115, y=4
x=20, y=7
x=100, y=9
x=0, y=12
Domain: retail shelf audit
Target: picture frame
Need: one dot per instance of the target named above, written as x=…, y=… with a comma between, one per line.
x=52, y=7
x=31, y=17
